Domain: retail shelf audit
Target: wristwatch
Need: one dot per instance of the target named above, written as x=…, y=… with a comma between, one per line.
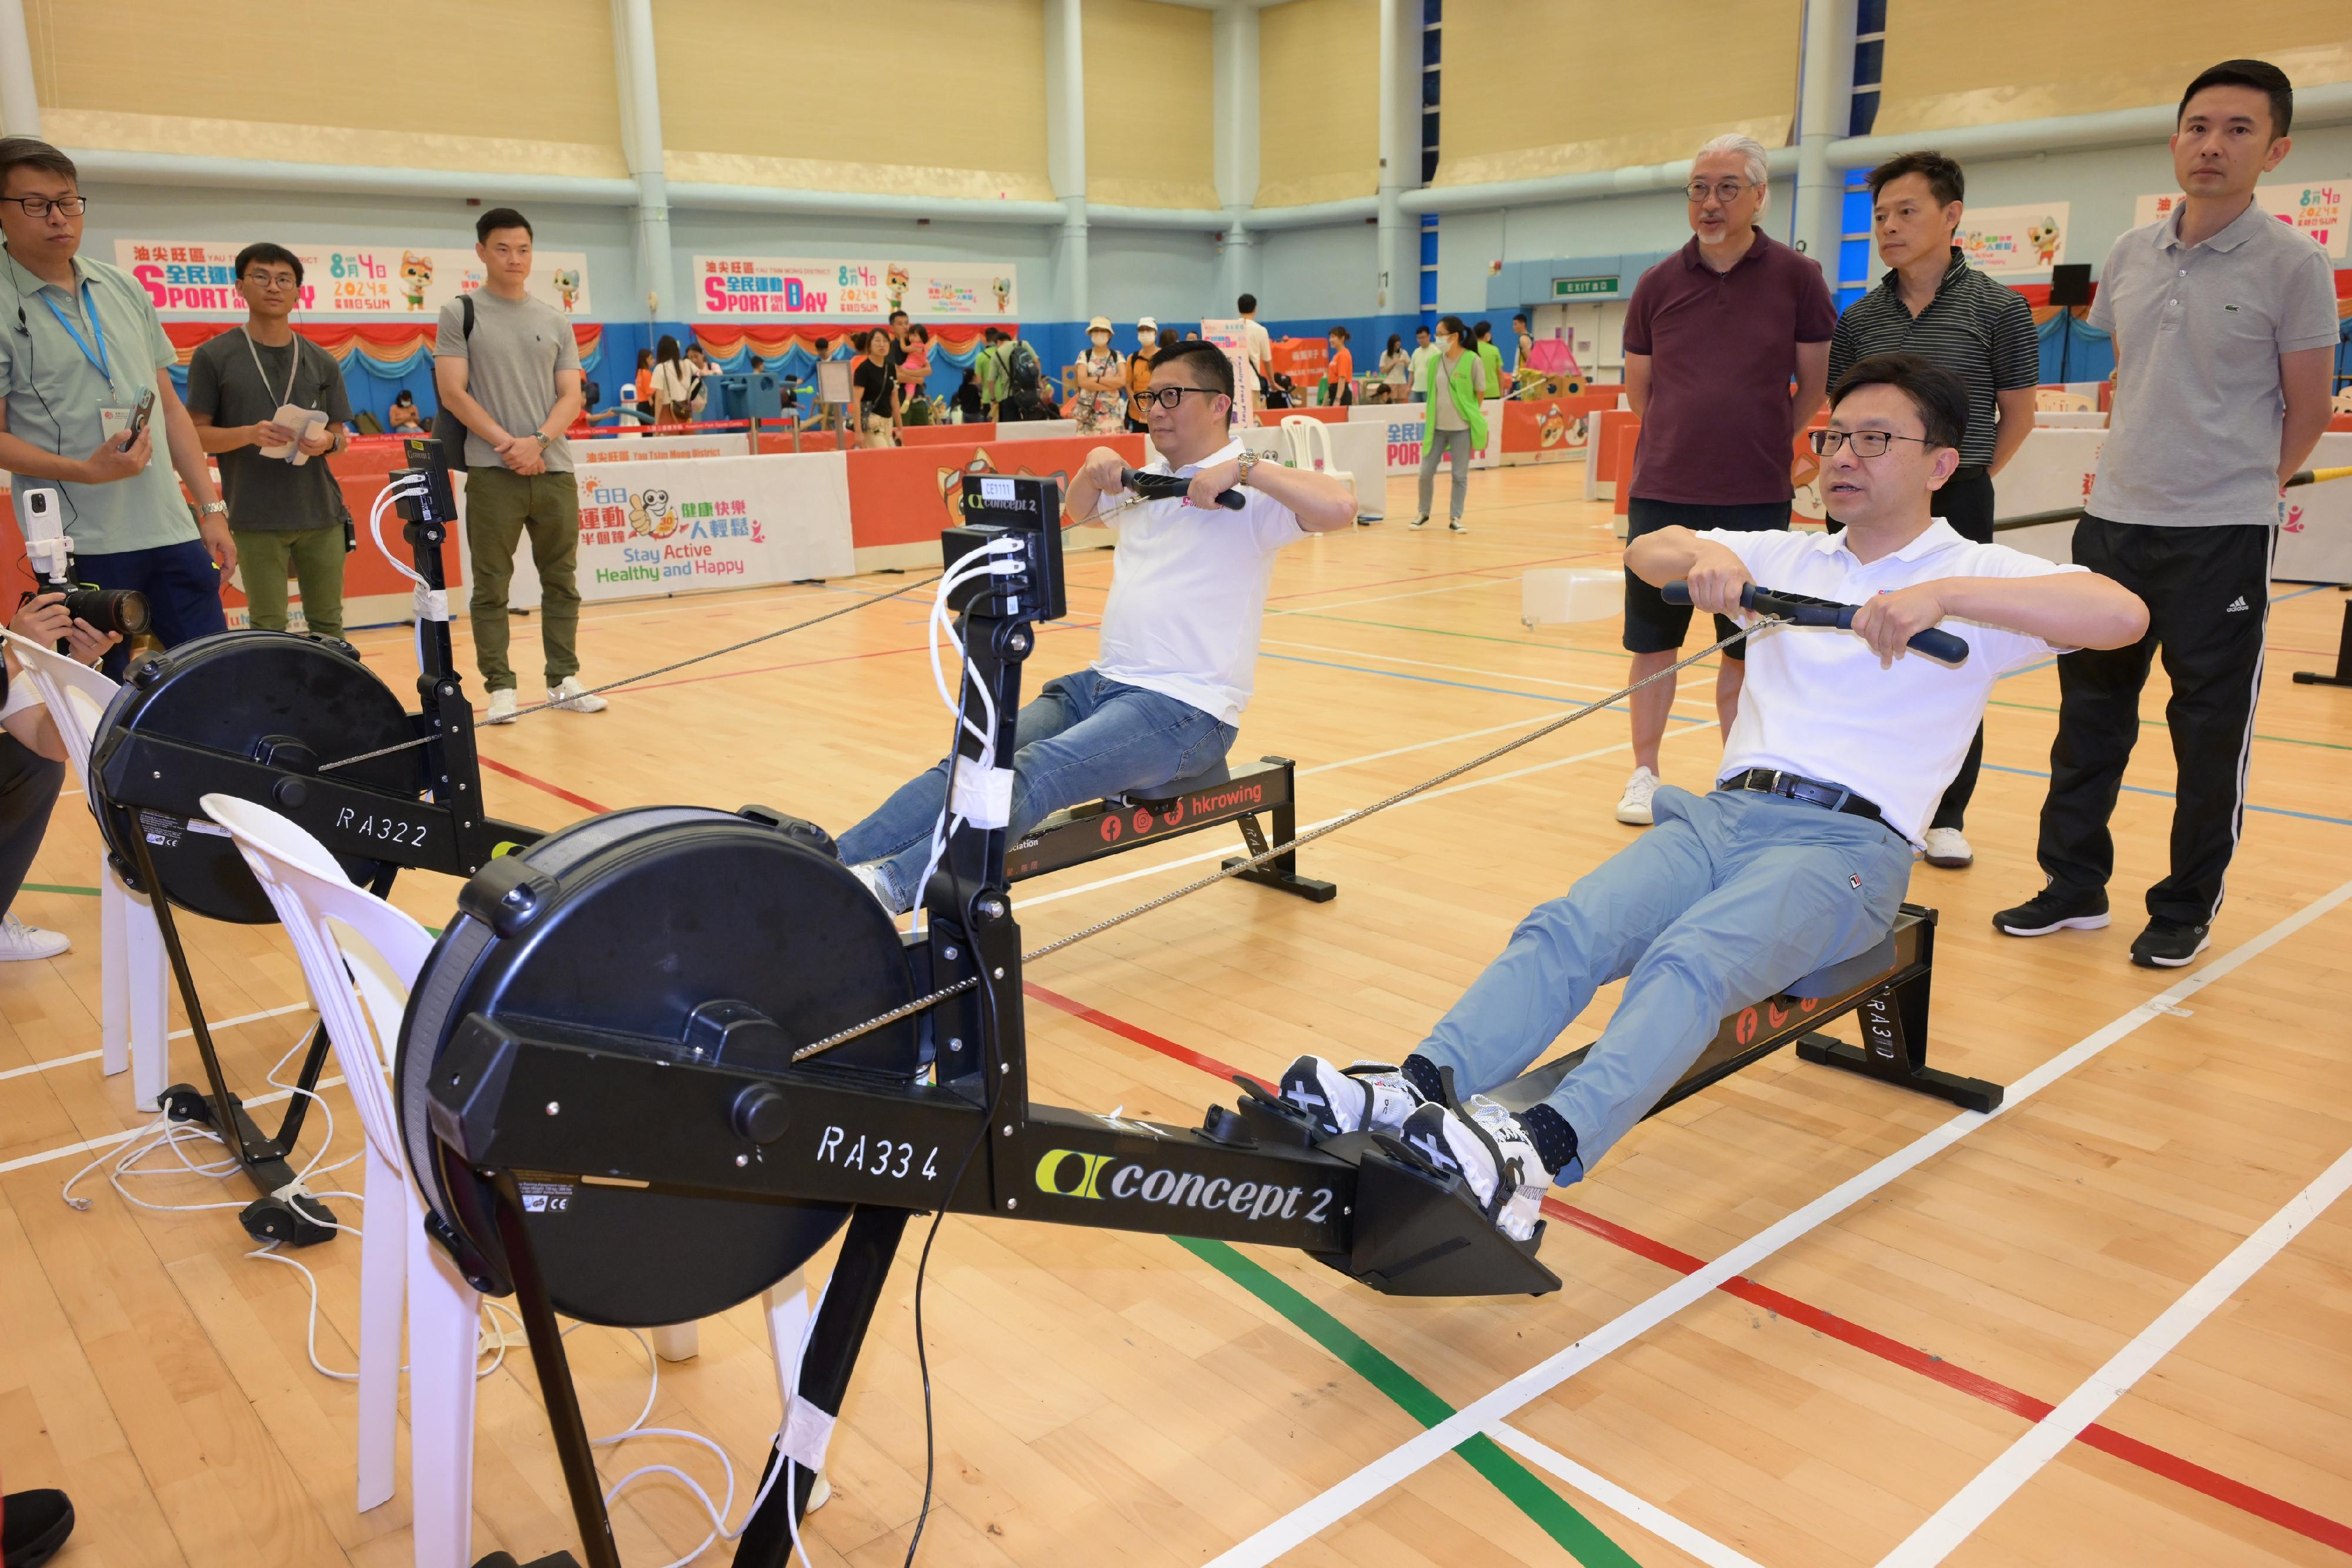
x=211, y=509
x=545, y=440
x=1246, y=461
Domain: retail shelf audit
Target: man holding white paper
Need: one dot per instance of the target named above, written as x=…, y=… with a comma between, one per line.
x=272, y=406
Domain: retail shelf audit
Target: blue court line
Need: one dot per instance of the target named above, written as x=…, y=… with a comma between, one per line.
x=1463, y=685
x=2167, y=794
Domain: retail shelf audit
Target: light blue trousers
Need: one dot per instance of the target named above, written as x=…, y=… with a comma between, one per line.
x=1085, y=737
x=1730, y=897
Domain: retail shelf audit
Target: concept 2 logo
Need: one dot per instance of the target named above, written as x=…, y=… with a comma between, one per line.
x=1068, y=1173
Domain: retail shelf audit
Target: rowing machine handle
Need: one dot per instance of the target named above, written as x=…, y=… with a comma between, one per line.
x=1803, y=609
x=1171, y=486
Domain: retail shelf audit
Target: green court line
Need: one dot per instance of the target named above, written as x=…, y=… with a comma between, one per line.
x=57, y=887
x=1576, y=1534
x=2160, y=724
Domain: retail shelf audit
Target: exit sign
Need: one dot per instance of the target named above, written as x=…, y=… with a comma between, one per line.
x=1569, y=288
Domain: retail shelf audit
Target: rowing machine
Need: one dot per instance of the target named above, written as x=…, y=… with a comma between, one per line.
x=1170, y=811
x=268, y=716
x=634, y=1086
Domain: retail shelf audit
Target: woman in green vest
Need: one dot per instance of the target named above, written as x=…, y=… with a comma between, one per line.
x=1454, y=422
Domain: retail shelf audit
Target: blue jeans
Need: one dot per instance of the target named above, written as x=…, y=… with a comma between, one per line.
x=1730, y=897
x=183, y=587
x=1085, y=737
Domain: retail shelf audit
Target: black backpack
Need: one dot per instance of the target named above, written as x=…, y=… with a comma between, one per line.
x=448, y=428
x=1022, y=372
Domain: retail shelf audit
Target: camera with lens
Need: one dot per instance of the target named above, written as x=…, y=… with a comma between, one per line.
x=119, y=610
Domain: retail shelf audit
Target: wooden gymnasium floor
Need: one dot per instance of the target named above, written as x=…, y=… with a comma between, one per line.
x=1738, y=1370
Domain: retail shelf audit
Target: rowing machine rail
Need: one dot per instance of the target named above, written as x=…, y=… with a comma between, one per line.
x=1090, y=831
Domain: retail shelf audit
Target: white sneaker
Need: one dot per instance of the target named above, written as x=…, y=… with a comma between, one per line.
x=19, y=941
x=1489, y=1150
x=574, y=698
x=1457, y=526
x=1948, y=849
x=1369, y=1096
x=870, y=873
x=502, y=707
x=1633, y=806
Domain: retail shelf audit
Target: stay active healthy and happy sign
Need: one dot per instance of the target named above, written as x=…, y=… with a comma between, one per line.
x=674, y=525
x=2013, y=239
x=195, y=278
x=780, y=287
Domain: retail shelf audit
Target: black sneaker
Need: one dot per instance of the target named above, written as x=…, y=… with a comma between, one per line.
x=2168, y=944
x=2053, y=909
x=38, y=1525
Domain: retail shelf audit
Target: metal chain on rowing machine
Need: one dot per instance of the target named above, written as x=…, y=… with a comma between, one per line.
x=1237, y=867
x=649, y=674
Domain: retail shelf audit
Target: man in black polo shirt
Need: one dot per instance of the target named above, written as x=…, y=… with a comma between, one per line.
x=1932, y=303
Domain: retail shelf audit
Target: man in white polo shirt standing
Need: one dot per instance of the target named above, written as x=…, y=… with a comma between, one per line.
x=1800, y=855
x=2225, y=329
x=1180, y=631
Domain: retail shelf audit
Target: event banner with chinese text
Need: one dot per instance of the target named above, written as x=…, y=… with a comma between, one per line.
x=194, y=278
x=781, y=286
x=676, y=524
x=2014, y=239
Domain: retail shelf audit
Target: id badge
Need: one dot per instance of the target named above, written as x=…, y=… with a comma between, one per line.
x=113, y=421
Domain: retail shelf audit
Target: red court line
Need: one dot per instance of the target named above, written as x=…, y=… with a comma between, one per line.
x=581, y=801
x=2131, y=1450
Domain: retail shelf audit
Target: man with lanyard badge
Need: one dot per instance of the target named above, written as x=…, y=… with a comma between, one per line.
x=84, y=346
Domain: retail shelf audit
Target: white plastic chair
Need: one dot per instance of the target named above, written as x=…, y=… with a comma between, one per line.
x=360, y=957
x=1310, y=447
x=134, y=978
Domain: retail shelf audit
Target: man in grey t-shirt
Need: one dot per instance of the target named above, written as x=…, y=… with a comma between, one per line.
x=514, y=380
x=2225, y=329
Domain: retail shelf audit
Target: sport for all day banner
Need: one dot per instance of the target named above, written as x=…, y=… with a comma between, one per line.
x=2317, y=209
x=778, y=286
x=2014, y=239
x=674, y=525
x=194, y=278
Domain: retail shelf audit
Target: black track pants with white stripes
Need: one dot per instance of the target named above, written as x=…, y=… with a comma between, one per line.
x=2208, y=595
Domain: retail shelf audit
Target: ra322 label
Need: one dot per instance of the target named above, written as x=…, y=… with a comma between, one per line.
x=1067, y=1173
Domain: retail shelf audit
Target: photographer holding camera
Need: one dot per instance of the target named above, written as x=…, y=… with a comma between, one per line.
x=33, y=766
x=85, y=379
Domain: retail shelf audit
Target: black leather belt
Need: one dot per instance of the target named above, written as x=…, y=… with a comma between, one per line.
x=1812, y=792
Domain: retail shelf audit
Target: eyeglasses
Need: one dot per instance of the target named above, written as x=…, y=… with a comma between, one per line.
x=1170, y=398
x=1725, y=191
x=1866, y=443
x=41, y=206
x=272, y=280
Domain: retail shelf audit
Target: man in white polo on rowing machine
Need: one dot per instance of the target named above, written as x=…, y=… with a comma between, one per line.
x=1180, y=632
x=1800, y=855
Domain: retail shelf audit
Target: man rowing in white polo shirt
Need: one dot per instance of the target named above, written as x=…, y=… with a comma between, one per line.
x=1801, y=854
x=1180, y=632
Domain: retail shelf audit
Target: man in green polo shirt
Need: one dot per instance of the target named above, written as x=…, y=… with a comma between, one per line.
x=84, y=345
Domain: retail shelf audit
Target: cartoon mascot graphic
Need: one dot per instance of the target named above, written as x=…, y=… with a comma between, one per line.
x=1554, y=428
x=650, y=514
x=897, y=283
x=567, y=287
x=416, y=273
x=2043, y=237
x=1004, y=287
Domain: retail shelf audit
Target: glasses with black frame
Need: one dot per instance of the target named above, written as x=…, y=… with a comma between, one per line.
x=1170, y=398
x=1723, y=191
x=1866, y=443
x=41, y=206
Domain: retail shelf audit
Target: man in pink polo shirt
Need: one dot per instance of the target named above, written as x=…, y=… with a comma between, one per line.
x=1714, y=336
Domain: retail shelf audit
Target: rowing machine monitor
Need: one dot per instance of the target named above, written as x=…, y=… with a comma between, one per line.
x=1803, y=609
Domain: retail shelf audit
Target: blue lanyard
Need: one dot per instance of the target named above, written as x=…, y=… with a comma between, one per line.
x=89, y=311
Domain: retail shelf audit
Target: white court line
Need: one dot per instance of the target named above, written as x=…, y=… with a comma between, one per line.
x=112, y=1138
x=1998, y=1481
x=1609, y=1494
x=176, y=1034
x=1318, y=1514
x=1310, y=827
x=1467, y=670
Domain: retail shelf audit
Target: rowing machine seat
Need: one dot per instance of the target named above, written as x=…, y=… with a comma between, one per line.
x=1833, y=980
x=1214, y=774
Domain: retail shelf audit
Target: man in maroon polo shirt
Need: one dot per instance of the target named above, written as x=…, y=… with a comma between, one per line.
x=1714, y=335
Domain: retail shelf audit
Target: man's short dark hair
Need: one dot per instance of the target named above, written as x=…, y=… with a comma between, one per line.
x=1246, y=303
x=269, y=254
x=1485, y=329
x=1938, y=396
x=1945, y=181
x=993, y=335
x=2260, y=75
x=499, y=218
x=1521, y=316
x=1422, y=331
x=1210, y=361
x=897, y=315
x=32, y=152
